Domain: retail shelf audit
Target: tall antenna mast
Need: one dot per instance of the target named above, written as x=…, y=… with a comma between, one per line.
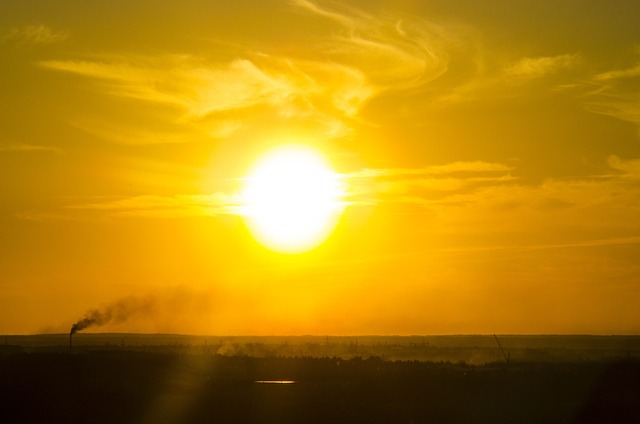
x=506, y=358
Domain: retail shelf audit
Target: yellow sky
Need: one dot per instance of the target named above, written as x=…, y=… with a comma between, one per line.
x=490, y=153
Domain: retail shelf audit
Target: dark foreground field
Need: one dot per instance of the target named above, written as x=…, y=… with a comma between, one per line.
x=121, y=386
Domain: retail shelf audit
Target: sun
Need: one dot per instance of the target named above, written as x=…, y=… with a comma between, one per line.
x=292, y=199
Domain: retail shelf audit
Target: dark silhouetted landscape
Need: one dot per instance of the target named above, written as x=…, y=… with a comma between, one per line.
x=130, y=378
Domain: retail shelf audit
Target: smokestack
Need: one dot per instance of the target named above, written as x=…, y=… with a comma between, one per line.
x=82, y=324
x=74, y=329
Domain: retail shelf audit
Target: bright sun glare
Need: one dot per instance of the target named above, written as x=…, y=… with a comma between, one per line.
x=292, y=199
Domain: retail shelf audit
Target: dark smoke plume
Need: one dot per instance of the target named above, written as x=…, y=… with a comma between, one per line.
x=117, y=312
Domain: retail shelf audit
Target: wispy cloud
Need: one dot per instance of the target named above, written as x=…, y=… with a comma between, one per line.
x=454, y=167
x=206, y=94
x=142, y=206
x=35, y=34
x=394, y=52
x=460, y=198
x=164, y=206
x=490, y=79
x=622, y=105
x=131, y=135
x=486, y=200
x=366, y=55
x=630, y=168
x=28, y=148
x=341, y=18
x=536, y=67
x=186, y=82
x=619, y=74
x=615, y=93
x=577, y=209
x=615, y=241
x=424, y=185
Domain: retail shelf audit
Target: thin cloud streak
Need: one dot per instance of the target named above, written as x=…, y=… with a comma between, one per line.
x=619, y=74
x=614, y=93
x=537, y=67
x=35, y=34
x=630, y=168
x=448, y=190
x=133, y=136
x=28, y=148
x=165, y=206
x=454, y=167
x=425, y=185
x=618, y=241
x=396, y=185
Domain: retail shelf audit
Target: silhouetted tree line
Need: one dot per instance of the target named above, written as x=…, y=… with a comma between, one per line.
x=120, y=386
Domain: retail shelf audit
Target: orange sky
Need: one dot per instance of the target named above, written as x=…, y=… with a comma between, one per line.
x=489, y=152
